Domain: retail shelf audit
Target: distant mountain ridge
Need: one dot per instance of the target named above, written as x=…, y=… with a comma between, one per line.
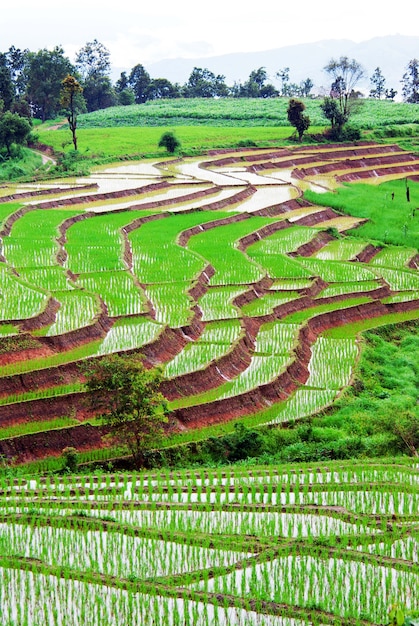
x=391, y=53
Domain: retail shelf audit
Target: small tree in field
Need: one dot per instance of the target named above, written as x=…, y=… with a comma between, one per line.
x=169, y=141
x=127, y=396
x=297, y=117
x=70, y=100
x=13, y=130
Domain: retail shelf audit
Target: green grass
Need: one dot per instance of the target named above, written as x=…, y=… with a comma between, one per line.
x=389, y=221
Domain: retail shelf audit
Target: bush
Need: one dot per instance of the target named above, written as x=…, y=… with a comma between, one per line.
x=169, y=141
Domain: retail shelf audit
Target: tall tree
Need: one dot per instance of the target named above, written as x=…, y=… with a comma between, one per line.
x=139, y=81
x=345, y=74
x=203, y=83
x=127, y=396
x=93, y=63
x=410, y=82
x=256, y=86
x=71, y=101
x=47, y=69
x=7, y=89
x=378, y=82
x=284, y=76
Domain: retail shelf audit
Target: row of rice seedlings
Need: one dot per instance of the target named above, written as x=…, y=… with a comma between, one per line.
x=171, y=303
x=340, y=250
x=393, y=256
x=337, y=271
x=129, y=334
x=398, y=279
x=157, y=257
x=331, y=362
x=8, y=330
x=32, y=240
x=69, y=356
x=112, y=553
x=17, y=299
x=341, y=586
x=117, y=290
x=219, y=247
x=276, y=338
x=302, y=403
x=217, y=303
x=338, y=289
x=280, y=265
x=217, y=521
x=39, y=394
x=262, y=370
x=51, y=278
x=95, y=244
x=300, y=316
x=267, y=302
x=282, y=241
x=215, y=341
x=405, y=548
x=404, y=296
x=77, y=309
x=36, y=427
x=30, y=252
x=40, y=598
x=291, y=284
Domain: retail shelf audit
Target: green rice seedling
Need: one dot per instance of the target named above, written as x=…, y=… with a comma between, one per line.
x=129, y=334
x=117, y=290
x=393, y=256
x=399, y=279
x=337, y=272
x=339, y=289
x=267, y=302
x=276, y=338
x=332, y=362
x=77, y=309
x=302, y=403
x=52, y=278
x=32, y=241
x=18, y=300
x=217, y=303
x=232, y=267
x=340, y=250
x=157, y=255
x=171, y=303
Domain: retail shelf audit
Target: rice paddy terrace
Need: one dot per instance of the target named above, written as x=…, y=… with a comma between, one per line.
x=215, y=268
x=318, y=545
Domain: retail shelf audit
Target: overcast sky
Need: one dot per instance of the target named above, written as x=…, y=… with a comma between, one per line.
x=148, y=31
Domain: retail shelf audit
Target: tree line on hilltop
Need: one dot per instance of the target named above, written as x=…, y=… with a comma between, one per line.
x=45, y=84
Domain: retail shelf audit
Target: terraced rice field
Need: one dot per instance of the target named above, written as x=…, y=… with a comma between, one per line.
x=214, y=267
x=321, y=545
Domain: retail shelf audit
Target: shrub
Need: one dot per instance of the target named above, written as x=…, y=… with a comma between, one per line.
x=169, y=141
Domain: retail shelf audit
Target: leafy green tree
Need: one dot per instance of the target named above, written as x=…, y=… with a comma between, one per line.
x=410, y=82
x=46, y=71
x=127, y=395
x=169, y=141
x=73, y=102
x=162, y=88
x=346, y=73
x=378, y=81
x=7, y=89
x=256, y=86
x=13, y=130
x=18, y=65
x=297, y=117
x=93, y=63
x=139, y=81
x=203, y=83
